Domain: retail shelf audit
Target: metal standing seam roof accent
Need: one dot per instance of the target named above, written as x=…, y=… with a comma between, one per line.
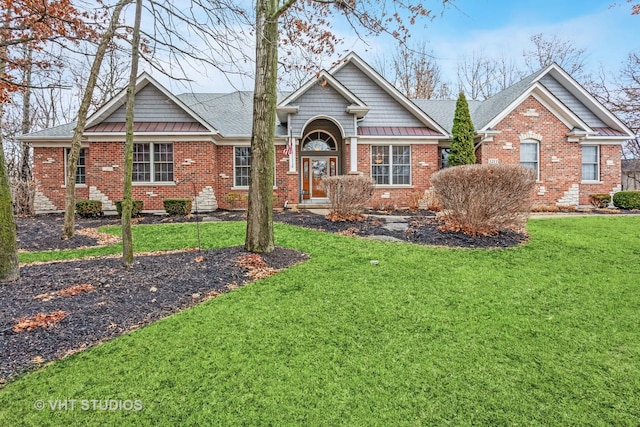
x=149, y=127
x=396, y=131
x=608, y=132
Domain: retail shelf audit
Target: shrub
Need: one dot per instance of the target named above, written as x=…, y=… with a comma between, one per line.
x=89, y=208
x=347, y=195
x=430, y=201
x=545, y=208
x=415, y=200
x=484, y=199
x=233, y=198
x=177, y=206
x=627, y=199
x=599, y=200
x=462, y=147
x=136, y=208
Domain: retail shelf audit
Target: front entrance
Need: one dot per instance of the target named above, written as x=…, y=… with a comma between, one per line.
x=313, y=170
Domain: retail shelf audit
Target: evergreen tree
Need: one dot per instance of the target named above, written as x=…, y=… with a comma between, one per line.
x=462, y=148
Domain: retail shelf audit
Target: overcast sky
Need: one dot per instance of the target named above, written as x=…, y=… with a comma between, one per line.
x=607, y=31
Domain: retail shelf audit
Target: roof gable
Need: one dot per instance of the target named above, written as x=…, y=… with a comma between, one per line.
x=153, y=104
x=380, y=95
x=323, y=79
x=561, y=94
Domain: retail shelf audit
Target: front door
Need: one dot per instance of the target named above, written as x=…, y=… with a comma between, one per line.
x=313, y=170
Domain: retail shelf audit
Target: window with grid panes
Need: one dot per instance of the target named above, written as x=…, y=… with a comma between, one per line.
x=391, y=164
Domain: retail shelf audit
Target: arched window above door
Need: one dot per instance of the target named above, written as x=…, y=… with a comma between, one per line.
x=319, y=141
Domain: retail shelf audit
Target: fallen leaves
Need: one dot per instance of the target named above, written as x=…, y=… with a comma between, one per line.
x=349, y=232
x=258, y=268
x=75, y=290
x=103, y=239
x=69, y=291
x=40, y=320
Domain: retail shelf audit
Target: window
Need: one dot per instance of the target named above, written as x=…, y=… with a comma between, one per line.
x=590, y=163
x=444, y=157
x=152, y=162
x=81, y=170
x=319, y=141
x=391, y=165
x=242, y=167
x=529, y=156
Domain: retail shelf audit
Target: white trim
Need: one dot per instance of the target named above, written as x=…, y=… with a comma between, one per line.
x=358, y=107
x=329, y=78
x=353, y=154
x=597, y=163
x=532, y=141
x=152, y=163
x=411, y=140
x=546, y=98
x=153, y=184
x=303, y=135
x=390, y=165
x=233, y=175
x=586, y=98
x=65, y=157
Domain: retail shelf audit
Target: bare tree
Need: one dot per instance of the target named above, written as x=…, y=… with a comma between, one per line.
x=76, y=141
x=477, y=76
x=623, y=98
x=546, y=51
x=127, y=197
x=415, y=72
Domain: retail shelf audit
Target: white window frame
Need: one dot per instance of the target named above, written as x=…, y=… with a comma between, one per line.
x=391, y=165
x=537, y=162
x=246, y=187
x=597, y=164
x=152, y=162
x=66, y=164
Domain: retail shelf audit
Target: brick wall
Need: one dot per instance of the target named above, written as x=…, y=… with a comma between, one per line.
x=193, y=173
x=424, y=163
x=559, y=160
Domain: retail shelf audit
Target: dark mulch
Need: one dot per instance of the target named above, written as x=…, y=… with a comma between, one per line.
x=423, y=229
x=121, y=298
x=114, y=299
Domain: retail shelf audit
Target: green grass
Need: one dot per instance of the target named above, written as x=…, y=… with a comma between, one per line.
x=543, y=334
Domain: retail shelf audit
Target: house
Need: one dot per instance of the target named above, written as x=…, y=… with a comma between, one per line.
x=347, y=120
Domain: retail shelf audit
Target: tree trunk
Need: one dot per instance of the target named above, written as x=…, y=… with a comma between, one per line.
x=23, y=193
x=9, y=267
x=76, y=141
x=127, y=198
x=259, y=233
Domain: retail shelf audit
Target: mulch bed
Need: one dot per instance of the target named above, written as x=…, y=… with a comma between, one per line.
x=59, y=308
x=423, y=229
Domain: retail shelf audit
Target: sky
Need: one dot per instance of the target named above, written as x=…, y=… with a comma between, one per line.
x=607, y=31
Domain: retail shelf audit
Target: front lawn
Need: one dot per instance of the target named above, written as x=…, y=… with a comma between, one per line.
x=542, y=334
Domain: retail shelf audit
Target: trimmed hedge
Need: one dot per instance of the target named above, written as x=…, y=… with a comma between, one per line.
x=627, y=199
x=177, y=206
x=135, y=209
x=88, y=208
x=599, y=200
